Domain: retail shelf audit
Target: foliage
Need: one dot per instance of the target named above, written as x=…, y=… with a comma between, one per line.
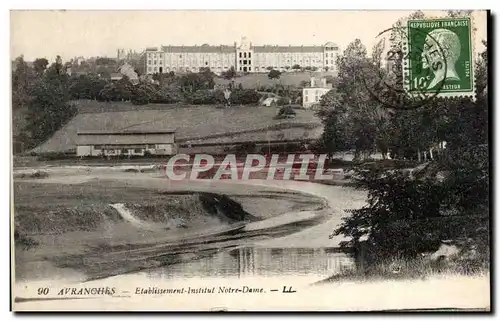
x=296, y=67
x=230, y=73
x=48, y=109
x=202, y=97
x=143, y=93
x=85, y=86
x=283, y=101
x=286, y=111
x=24, y=80
x=167, y=94
x=244, y=97
x=40, y=64
x=352, y=118
x=274, y=74
x=105, y=61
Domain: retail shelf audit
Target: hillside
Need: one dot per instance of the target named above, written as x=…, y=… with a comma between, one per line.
x=193, y=124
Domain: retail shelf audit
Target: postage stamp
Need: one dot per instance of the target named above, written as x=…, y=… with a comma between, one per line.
x=439, y=57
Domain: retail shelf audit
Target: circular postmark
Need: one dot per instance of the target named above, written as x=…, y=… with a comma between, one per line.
x=396, y=56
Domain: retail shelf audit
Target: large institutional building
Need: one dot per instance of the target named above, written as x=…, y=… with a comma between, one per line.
x=244, y=57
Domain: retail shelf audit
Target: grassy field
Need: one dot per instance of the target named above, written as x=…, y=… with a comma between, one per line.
x=239, y=123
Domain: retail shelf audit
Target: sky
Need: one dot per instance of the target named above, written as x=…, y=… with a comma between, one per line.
x=43, y=33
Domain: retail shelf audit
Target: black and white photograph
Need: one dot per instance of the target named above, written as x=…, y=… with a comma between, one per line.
x=250, y=160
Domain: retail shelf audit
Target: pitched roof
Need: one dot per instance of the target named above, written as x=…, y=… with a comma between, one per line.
x=202, y=48
x=111, y=139
x=288, y=48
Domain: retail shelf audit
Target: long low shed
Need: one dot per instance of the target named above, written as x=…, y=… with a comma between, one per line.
x=133, y=143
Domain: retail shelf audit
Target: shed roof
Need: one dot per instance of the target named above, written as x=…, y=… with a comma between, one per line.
x=105, y=139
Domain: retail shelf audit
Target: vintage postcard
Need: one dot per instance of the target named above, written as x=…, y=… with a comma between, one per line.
x=198, y=161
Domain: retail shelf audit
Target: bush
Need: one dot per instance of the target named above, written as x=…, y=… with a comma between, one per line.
x=202, y=97
x=168, y=95
x=407, y=214
x=245, y=97
x=285, y=112
x=283, y=101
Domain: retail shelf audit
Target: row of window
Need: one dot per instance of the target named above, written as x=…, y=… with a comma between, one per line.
x=192, y=62
x=306, y=98
x=293, y=62
x=160, y=62
x=187, y=68
x=126, y=147
x=241, y=54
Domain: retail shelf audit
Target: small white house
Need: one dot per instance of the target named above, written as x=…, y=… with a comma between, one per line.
x=311, y=96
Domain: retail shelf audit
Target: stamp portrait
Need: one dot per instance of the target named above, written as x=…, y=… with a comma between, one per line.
x=440, y=57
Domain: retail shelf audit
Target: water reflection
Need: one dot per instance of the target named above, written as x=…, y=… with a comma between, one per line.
x=244, y=262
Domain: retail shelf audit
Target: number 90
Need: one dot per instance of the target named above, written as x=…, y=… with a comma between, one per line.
x=43, y=291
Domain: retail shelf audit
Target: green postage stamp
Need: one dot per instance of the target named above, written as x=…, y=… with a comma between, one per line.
x=439, y=57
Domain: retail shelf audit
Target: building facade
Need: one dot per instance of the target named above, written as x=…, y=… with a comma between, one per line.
x=311, y=96
x=130, y=143
x=244, y=57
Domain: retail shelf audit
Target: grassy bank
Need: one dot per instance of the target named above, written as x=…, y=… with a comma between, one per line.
x=55, y=209
x=407, y=269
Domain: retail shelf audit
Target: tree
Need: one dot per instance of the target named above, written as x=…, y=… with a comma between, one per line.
x=49, y=109
x=296, y=67
x=286, y=112
x=105, y=61
x=274, y=74
x=40, y=64
x=196, y=81
x=123, y=89
x=244, y=97
x=230, y=73
x=24, y=79
x=349, y=113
